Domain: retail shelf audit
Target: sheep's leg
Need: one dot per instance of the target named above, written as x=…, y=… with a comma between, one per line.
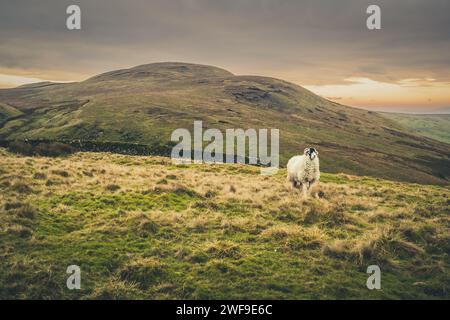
x=304, y=190
x=293, y=183
x=311, y=185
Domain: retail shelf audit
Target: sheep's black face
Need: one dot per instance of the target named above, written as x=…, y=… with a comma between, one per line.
x=311, y=153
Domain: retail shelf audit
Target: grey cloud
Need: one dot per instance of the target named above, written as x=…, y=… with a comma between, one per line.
x=322, y=41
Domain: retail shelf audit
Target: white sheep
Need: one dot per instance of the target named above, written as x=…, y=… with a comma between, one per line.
x=303, y=171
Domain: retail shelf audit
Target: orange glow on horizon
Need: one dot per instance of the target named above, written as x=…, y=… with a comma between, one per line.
x=407, y=93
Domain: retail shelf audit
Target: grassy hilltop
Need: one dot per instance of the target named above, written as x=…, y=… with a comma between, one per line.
x=146, y=103
x=140, y=227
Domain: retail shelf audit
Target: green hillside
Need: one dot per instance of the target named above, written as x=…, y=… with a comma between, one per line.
x=7, y=112
x=435, y=126
x=146, y=103
x=142, y=228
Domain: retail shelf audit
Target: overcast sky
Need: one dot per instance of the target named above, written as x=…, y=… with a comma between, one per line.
x=323, y=45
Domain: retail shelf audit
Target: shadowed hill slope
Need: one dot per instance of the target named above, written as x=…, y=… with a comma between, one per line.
x=145, y=104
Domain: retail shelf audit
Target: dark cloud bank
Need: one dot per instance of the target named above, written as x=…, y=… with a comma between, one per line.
x=309, y=42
